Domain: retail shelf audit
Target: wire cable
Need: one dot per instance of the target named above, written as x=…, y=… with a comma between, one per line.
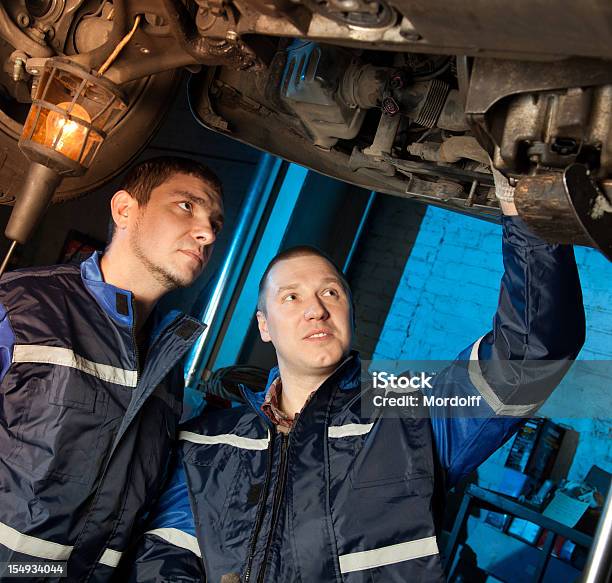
x=124, y=41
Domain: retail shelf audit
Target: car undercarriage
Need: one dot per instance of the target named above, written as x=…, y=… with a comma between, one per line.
x=411, y=98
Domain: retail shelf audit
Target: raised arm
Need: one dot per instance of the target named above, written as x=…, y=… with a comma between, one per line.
x=538, y=329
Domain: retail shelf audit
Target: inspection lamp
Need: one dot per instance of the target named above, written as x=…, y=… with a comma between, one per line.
x=72, y=112
x=71, y=115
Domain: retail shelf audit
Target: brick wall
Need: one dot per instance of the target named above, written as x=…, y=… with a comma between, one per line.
x=447, y=295
x=377, y=266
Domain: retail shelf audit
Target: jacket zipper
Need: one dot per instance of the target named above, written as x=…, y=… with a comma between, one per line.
x=261, y=509
x=278, y=496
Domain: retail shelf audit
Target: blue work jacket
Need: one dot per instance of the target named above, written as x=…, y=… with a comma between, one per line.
x=86, y=427
x=343, y=498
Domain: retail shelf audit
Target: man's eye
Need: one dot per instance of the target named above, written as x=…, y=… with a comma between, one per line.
x=331, y=292
x=186, y=206
x=289, y=298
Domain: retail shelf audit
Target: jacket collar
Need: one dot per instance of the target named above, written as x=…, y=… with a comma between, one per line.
x=116, y=302
x=347, y=375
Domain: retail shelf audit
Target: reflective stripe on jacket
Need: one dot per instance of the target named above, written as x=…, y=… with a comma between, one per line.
x=84, y=435
x=347, y=499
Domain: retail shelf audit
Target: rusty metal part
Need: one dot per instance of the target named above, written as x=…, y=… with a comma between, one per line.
x=323, y=29
x=128, y=70
x=49, y=13
x=450, y=172
x=464, y=69
x=182, y=46
x=567, y=208
x=11, y=32
x=385, y=136
x=450, y=150
x=542, y=114
x=53, y=21
x=35, y=65
x=232, y=52
x=442, y=190
x=554, y=129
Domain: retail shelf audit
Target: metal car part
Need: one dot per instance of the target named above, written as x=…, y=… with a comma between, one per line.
x=329, y=89
x=17, y=38
x=421, y=121
x=239, y=102
x=370, y=14
x=568, y=207
x=310, y=88
x=450, y=150
x=520, y=26
x=480, y=28
x=556, y=129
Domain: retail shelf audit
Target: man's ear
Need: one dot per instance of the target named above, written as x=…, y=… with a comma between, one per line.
x=123, y=205
x=262, y=324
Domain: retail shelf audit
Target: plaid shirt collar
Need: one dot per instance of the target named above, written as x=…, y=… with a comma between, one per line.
x=271, y=405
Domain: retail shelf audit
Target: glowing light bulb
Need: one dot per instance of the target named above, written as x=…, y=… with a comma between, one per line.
x=64, y=135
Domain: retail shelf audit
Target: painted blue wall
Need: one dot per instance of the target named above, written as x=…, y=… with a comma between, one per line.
x=446, y=299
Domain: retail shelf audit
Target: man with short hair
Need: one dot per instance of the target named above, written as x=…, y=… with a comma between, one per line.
x=90, y=397
x=296, y=485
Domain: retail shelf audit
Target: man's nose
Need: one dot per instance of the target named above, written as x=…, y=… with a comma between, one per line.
x=316, y=310
x=204, y=233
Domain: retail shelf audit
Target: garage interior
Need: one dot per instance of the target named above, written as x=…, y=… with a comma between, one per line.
x=425, y=284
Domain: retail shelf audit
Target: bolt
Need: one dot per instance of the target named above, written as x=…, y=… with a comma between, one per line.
x=397, y=82
x=23, y=20
x=145, y=50
x=154, y=19
x=18, y=69
x=410, y=35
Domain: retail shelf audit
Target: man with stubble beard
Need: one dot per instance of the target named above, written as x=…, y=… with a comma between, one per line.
x=91, y=393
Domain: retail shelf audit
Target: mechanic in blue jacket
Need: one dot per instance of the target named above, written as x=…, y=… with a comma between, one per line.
x=297, y=485
x=89, y=399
